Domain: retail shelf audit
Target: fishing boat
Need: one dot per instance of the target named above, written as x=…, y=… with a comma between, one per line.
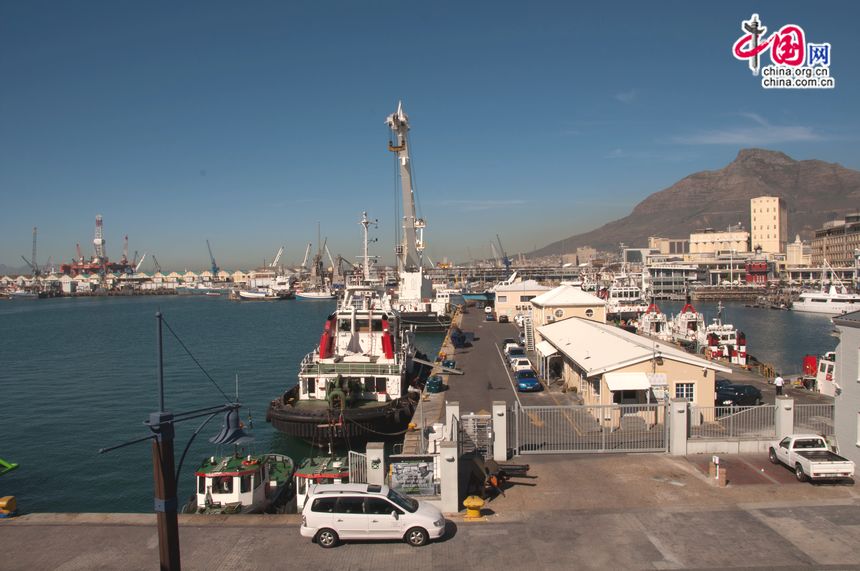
x=23, y=295
x=720, y=339
x=317, y=294
x=686, y=325
x=329, y=469
x=242, y=484
x=654, y=323
x=362, y=380
x=833, y=300
x=262, y=294
x=623, y=298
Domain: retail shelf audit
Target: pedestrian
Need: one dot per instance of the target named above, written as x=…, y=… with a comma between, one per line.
x=778, y=382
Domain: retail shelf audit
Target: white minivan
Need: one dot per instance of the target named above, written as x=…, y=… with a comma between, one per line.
x=334, y=512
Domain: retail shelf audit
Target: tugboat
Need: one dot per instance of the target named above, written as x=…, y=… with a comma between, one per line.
x=236, y=484
x=362, y=380
x=723, y=340
x=687, y=324
x=654, y=323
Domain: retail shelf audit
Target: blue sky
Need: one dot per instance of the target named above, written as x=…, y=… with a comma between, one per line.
x=247, y=123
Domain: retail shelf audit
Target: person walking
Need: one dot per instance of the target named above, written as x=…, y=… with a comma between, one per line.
x=778, y=382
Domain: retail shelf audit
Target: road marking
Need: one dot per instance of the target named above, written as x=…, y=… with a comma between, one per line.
x=762, y=473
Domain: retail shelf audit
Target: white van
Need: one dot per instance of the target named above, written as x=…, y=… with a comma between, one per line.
x=365, y=511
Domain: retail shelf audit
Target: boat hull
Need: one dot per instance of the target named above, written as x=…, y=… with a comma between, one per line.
x=315, y=296
x=425, y=322
x=318, y=425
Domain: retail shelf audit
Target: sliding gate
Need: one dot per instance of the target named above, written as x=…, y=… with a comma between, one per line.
x=585, y=428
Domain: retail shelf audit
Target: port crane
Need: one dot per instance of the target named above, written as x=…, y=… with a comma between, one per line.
x=156, y=264
x=140, y=263
x=495, y=254
x=215, y=267
x=32, y=263
x=505, y=259
x=304, y=265
x=277, y=259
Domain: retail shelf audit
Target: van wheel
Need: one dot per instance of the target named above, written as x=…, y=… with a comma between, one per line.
x=327, y=538
x=416, y=537
x=799, y=473
x=771, y=455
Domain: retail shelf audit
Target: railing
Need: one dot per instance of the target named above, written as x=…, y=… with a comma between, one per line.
x=476, y=435
x=814, y=418
x=720, y=422
x=357, y=467
x=311, y=367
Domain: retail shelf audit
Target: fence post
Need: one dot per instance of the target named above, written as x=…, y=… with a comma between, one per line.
x=783, y=423
x=376, y=463
x=452, y=418
x=500, y=431
x=677, y=421
x=449, y=476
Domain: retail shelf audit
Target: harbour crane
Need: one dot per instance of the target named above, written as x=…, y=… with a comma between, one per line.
x=140, y=263
x=277, y=259
x=32, y=262
x=124, y=259
x=307, y=253
x=495, y=254
x=505, y=260
x=215, y=267
x=156, y=264
x=330, y=258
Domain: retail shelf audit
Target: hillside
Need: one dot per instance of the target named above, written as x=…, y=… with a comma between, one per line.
x=814, y=191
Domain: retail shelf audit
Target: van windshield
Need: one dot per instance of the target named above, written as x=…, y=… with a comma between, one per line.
x=404, y=502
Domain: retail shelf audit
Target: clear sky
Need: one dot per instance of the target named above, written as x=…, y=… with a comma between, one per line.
x=248, y=122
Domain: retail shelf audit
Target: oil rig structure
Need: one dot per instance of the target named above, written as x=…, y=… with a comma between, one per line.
x=99, y=263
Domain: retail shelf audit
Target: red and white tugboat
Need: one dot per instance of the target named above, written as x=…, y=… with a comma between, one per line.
x=357, y=383
x=722, y=340
x=654, y=323
x=687, y=325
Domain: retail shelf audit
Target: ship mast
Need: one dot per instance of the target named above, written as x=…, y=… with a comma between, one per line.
x=412, y=243
x=365, y=223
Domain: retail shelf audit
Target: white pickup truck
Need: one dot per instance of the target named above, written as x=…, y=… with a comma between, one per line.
x=810, y=458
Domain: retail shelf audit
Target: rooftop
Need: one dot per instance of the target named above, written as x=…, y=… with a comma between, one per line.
x=525, y=285
x=599, y=348
x=567, y=295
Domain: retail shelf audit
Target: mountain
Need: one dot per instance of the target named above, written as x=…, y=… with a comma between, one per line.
x=814, y=192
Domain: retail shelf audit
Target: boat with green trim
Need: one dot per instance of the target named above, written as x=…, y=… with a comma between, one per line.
x=319, y=470
x=242, y=484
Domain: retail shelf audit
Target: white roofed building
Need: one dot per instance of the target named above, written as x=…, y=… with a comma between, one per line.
x=607, y=365
x=515, y=299
x=564, y=302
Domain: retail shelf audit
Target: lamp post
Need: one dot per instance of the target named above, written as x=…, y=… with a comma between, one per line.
x=164, y=474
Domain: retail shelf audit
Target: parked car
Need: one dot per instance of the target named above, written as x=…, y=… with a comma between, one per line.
x=738, y=395
x=810, y=458
x=503, y=318
x=515, y=353
x=488, y=309
x=527, y=382
x=489, y=317
x=334, y=512
x=521, y=364
x=508, y=341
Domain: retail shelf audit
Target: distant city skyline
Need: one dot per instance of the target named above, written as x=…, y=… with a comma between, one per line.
x=248, y=124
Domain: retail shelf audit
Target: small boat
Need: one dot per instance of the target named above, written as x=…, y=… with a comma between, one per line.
x=213, y=294
x=263, y=294
x=319, y=470
x=242, y=484
x=687, y=324
x=321, y=294
x=23, y=294
x=654, y=323
x=723, y=340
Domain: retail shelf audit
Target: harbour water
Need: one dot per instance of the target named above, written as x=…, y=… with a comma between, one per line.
x=80, y=374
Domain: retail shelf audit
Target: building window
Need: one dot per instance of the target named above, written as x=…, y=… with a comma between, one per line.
x=501, y=299
x=527, y=298
x=589, y=312
x=685, y=391
x=559, y=313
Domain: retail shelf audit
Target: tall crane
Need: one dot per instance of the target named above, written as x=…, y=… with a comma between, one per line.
x=99, y=241
x=32, y=262
x=156, y=264
x=277, y=259
x=215, y=267
x=140, y=263
x=495, y=253
x=505, y=260
x=307, y=253
x=125, y=250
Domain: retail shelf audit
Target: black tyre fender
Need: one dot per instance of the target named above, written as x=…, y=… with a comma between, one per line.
x=771, y=455
x=327, y=538
x=416, y=536
x=799, y=473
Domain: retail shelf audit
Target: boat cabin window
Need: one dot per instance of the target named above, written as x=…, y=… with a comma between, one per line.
x=381, y=385
x=246, y=483
x=223, y=485
x=324, y=505
x=302, y=486
x=822, y=368
x=201, y=485
x=311, y=387
x=362, y=325
x=344, y=325
x=369, y=384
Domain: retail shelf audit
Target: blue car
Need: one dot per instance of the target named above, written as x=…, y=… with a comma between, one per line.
x=527, y=382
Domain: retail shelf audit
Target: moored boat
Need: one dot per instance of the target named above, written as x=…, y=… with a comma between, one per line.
x=319, y=470
x=242, y=484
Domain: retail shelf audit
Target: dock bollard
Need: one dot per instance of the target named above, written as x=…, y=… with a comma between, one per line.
x=717, y=472
x=473, y=505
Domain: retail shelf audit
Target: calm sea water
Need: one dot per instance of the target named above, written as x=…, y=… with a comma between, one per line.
x=80, y=374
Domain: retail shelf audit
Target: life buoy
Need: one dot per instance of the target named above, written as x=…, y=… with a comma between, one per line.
x=251, y=462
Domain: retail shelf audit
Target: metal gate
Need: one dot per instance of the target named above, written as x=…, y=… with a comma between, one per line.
x=589, y=428
x=357, y=467
x=476, y=435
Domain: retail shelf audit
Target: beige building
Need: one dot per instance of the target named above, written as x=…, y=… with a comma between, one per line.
x=607, y=365
x=515, y=299
x=769, y=224
x=669, y=246
x=798, y=253
x=564, y=302
x=712, y=242
x=836, y=242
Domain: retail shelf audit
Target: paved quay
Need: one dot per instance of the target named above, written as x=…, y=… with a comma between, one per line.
x=634, y=511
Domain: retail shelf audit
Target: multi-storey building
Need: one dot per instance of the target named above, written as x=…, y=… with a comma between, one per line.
x=836, y=242
x=769, y=224
x=713, y=242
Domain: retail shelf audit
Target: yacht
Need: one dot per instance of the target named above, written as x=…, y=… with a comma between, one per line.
x=834, y=300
